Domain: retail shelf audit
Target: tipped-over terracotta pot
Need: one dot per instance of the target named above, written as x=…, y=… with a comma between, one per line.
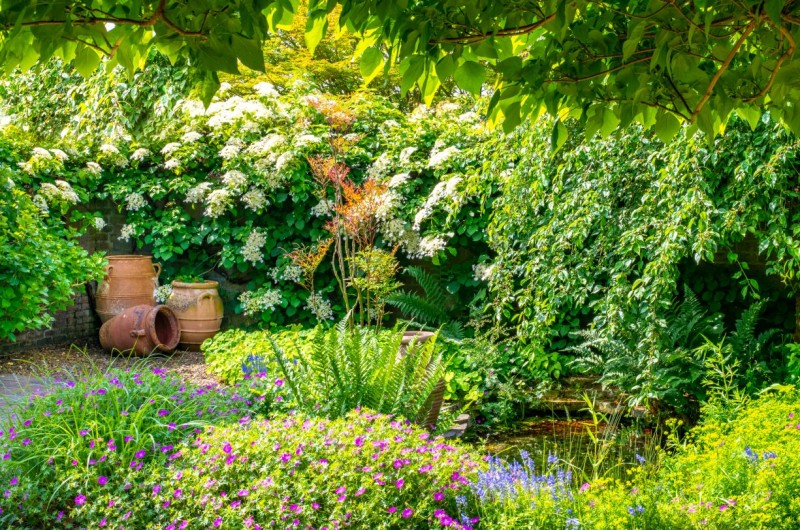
x=142, y=330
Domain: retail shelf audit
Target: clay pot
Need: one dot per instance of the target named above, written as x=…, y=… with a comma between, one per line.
x=428, y=414
x=199, y=311
x=142, y=330
x=129, y=281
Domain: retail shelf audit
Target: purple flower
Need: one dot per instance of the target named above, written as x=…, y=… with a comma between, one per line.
x=279, y=382
x=80, y=500
x=399, y=483
x=217, y=522
x=438, y=496
x=163, y=412
x=227, y=448
x=156, y=489
x=391, y=509
x=102, y=480
x=359, y=441
x=26, y=441
x=426, y=468
x=140, y=454
x=408, y=512
x=177, y=494
x=14, y=481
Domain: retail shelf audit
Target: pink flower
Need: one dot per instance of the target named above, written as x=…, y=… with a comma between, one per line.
x=279, y=382
x=408, y=512
x=399, y=483
x=102, y=480
x=80, y=500
x=391, y=509
x=438, y=496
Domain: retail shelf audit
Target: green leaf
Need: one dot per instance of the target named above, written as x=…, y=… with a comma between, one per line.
x=667, y=126
x=470, y=76
x=86, y=62
x=411, y=68
x=249, y=52
x=209, y=87
x=370, y=64
x=773, y=9
x=445, y=67
x=316, y=27
x=559, y=136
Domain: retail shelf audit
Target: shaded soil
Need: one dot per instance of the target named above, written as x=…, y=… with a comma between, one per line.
x=70, y=360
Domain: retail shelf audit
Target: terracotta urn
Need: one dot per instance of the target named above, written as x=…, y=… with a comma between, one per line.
x=141, y=330
x=130, y=281
x=198, y=307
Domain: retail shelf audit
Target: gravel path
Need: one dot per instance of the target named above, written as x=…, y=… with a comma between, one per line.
x=66, y=361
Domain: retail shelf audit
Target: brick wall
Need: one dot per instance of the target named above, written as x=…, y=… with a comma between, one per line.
x=77, y=325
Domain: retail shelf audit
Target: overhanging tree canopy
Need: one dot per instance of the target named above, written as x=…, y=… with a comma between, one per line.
x=607, y=63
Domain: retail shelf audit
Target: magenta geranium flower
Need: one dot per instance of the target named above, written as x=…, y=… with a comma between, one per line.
x=80, y=500
x=14, y=481
x=408, y=512
x=391, y=509
x=279, y=382
x=102, y=480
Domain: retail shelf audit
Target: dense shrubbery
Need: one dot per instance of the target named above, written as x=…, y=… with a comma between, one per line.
x=40, y=265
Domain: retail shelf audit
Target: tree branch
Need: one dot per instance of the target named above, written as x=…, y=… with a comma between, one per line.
x=788, y=53
x=507, y=32
x=158, y=15
x=569, y=79
x=724, y=66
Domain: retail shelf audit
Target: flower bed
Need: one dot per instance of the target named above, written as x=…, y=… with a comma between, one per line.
x=138, y=450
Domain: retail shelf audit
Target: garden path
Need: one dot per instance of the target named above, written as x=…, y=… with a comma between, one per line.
x=15, y=388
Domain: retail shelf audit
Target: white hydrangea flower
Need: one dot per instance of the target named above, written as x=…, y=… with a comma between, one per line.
x=306, y=139
x=391, y=124
x=443, y=189
x=41, y=153
x=266, y=90
x=170, y=148
x=266, y=145
x=172, y=163
x=94, y=168
x=198, y=193
x=140, y=154
x=323, y=208
x=283, y=161
x=109, y=150
x=252, y=248
x=254, y=302
x=229, y=152
x=162, y=292
x=439, y=158
x=254, y=200
x=235, y=180
x=135, y=201
x=385, y=204
x=191, y=137
x=468, y=117
x=380, y=167
x=292, y=273
x=41, y=203
x=399, y=180
x=405, y=155
x=216, y=202
x=483, y=272
x=224, y=87
x=448, y=107
x=320, y=307
x=60, y=155
x=430, y=245
x=99, y=223
x=127, y=232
